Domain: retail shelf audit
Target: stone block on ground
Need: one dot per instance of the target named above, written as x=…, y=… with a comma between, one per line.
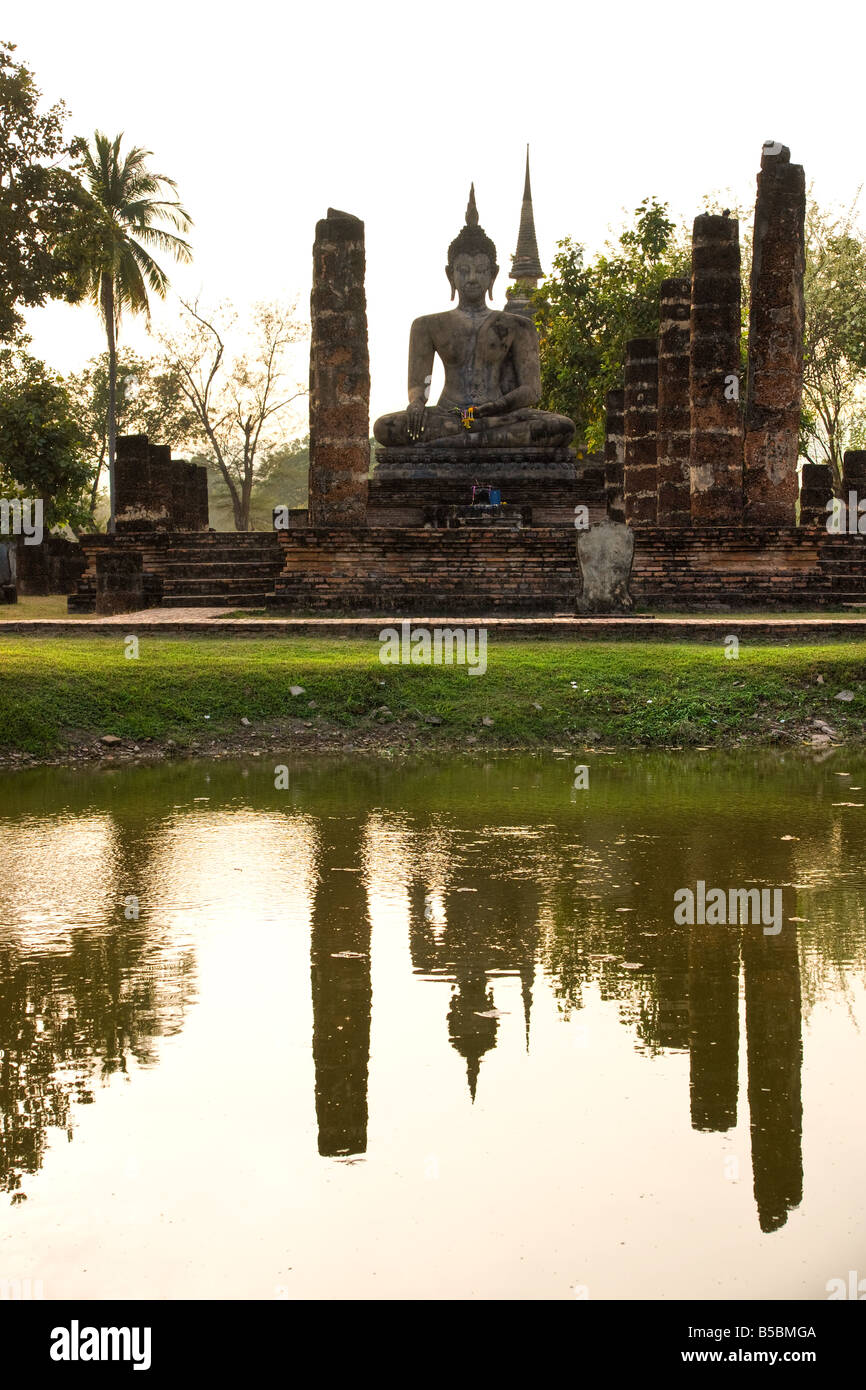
x=119, y=582
x=605, y=553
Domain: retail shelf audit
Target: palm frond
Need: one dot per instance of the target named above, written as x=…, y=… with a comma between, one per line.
x=165, y=241
x=151, y=272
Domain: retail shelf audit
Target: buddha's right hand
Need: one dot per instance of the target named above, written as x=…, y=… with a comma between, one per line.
x=415, y=419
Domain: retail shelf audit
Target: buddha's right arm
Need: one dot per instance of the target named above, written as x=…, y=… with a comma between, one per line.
x=421, y=354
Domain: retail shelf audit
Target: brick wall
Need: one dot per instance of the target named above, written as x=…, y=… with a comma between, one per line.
x=54, y=567
x=776, y=567
x=386, y=570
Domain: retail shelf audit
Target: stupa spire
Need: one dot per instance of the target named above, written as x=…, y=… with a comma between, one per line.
x=525, y=263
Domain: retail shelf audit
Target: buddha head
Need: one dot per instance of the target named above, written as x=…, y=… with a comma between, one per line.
x=472, y=267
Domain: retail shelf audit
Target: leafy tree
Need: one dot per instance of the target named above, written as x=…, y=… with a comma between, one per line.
x=126, y=218
x=586, y=313
x=236, y=398
x=149, y=401
x=281, y=481
x=40, y=214
x=42, y=452
x=834, y=367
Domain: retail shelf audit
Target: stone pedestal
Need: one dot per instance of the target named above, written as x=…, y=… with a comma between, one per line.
x=640, y=469
x=776, y=317
x=416, y=486
x=339, y=375
x=674, y=421
x=614, y=454
x=716, y=443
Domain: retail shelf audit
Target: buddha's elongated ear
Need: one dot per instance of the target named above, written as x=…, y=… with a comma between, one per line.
x=493, y=275
x=450, y=279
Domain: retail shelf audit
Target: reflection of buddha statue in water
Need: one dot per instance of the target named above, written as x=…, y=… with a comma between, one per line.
x=491, y=365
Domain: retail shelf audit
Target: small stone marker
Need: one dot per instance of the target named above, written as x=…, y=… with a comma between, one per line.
x=605, y=553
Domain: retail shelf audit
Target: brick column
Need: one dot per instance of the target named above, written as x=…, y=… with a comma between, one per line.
x=776, y=313
x=816, y=489
x=614, y=454
x=674, y=422
x=854, y=473
x=339, y=375
x=716, y=443
x=144, y=485
x=640, y=471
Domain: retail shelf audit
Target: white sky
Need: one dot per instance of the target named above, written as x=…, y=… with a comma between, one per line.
x=267, y=114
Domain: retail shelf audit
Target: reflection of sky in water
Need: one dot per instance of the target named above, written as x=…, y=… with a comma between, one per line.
x=420, y=1032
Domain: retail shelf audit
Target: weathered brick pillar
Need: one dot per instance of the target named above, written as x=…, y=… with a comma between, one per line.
x=776, y=313
x=854, y=473
x=640, y=470
x=716, y=443
x=614, y=454
x=339, y=375
x=674, y=421
x=144, y=485
x=816, y=490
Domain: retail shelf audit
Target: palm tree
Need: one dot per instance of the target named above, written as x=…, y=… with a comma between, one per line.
x=123, y=198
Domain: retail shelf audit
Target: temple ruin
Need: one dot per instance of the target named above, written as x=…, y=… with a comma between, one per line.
x=475, y=503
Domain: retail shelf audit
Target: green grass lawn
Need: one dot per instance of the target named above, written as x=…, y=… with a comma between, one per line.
x=52, y=606
x=634, y=693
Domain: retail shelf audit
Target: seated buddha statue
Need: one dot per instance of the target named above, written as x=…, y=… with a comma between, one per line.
x=492, y=372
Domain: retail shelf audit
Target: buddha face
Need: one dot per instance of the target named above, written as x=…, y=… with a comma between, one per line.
x=472, y=277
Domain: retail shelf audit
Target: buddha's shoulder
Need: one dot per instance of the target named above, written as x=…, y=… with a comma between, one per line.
x=517, y=324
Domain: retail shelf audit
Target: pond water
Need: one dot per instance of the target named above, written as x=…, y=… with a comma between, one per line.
x=434, y=1030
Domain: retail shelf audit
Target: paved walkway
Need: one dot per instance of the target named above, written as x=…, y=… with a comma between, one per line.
x=189, y=622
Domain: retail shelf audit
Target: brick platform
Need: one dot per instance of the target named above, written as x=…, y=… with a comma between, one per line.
x=465, y=569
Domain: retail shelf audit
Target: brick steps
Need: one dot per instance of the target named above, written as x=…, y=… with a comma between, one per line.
x=215, y=584
x=241, y=569
x=238, y=599
x=216, y=570
x=202, y=569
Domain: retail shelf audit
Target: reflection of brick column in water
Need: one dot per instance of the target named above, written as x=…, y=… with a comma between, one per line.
x=614, y=454
x=640, y=471
x=339, y=375
x=714, y=1026
x=342, y=993
x=775, y=1054
x=776, y=314
x=716, y=445
x=674, y=420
